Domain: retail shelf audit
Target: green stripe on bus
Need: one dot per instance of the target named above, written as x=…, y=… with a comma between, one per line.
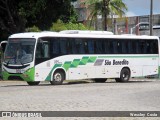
x=155, y=56
x=72, y=64
x=92, y=59
x=75, y=63
x=84, y=61
x=67, y=65
x=29, y=74
x=54, y=67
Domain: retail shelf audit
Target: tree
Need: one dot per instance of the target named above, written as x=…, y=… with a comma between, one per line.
x=32, y=29
x=16, y=15
x=60, y=25
x=45, y=12
x=10, y=20
x=105, y=8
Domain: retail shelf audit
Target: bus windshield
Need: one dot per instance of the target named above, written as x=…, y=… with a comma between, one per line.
x=19, y=51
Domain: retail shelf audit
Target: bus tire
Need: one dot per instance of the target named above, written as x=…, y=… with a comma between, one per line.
x=33, y=83
x=58, y=78
x=124, y=75
x=100, y=80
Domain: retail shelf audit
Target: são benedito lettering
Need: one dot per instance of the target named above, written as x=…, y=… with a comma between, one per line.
x=123, y=62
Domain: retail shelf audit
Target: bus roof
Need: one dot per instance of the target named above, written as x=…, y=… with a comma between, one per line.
x=82, y=34
x=86, y=32
x=31, y=34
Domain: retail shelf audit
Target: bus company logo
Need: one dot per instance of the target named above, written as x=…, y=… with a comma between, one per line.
x=117, y=62
x=57, y=62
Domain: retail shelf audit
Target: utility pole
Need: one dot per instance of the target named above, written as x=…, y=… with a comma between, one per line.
x=151, y=17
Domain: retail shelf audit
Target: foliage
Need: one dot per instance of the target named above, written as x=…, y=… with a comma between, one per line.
x=75, y=26
x=16, y=15
x=32, y=29
x=10, y=19
x=43, y=13
x=60, y=25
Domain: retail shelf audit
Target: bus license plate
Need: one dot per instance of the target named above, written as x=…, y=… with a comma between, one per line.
x=18, y=70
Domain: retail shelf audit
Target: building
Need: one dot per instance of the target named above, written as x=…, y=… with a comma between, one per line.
x=127, y=25
x=137, y=25
x=81, y=10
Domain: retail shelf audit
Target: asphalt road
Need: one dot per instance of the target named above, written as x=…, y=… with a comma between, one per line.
x=136, y=95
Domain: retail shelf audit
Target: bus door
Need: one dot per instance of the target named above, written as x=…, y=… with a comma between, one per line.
x=42, y=56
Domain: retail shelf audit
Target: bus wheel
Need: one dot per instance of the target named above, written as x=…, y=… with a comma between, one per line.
x=33, y=83
x=124, y=76
x=58, y=78
x=100, y=80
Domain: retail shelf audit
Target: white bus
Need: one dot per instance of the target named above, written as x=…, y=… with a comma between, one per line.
x=55, y=57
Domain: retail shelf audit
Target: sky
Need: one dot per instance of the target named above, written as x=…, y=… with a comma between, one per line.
x=141, y=7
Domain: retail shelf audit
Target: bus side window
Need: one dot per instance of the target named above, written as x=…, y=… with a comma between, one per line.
x=154, y=47
x=149, y=49
x=115, y=47
x=69, y=45
x=38, y=50
x=46, y=49
x=110, y=46
x=99, y=47
x=119, y=46
x=73, y=48
x=130, y=47
x=81, y=47
x=106, y=46
x=91, y=46
x=135, y=47
x=76, y=46
x=55, y=47
x=42, y=49
x=63, y=46
x=144, y=47
x=138, y=47
x=124, y=47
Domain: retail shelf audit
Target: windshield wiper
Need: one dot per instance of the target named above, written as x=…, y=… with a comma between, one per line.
x=15, y=61
x=9, y=60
